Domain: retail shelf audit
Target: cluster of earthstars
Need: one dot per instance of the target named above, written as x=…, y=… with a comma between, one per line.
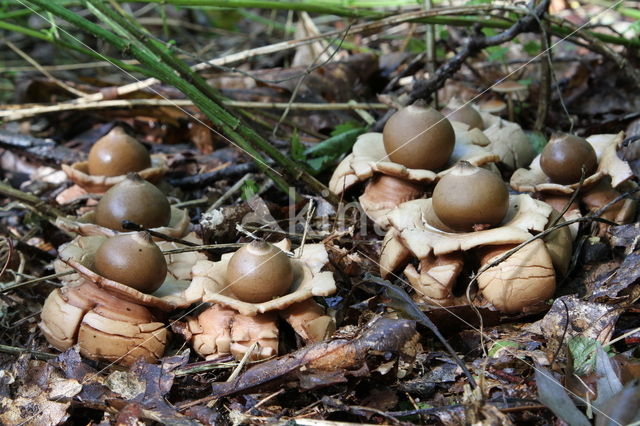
x=123, y=285
x=433, y=183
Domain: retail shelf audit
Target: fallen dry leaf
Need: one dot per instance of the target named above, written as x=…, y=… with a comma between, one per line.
x=335, y=357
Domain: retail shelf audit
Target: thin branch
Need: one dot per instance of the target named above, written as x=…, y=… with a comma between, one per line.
x=439, y=16
x=19, y=112
x=37, y=66
x=424, y=89
x=19, y=351
x=33, y=201
x=207, y=98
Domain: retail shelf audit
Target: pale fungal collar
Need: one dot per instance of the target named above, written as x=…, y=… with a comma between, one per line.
x=79, y=255
x=412, y=221
x=79, y=174
x=210, y=283
x=178, y=226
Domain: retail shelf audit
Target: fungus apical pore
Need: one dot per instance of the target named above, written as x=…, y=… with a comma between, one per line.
x=136, y=200
x=469, y=196
x=564, y=157
x=132, y=259
x=117, y=154
x=258, y=272
x=419, y=137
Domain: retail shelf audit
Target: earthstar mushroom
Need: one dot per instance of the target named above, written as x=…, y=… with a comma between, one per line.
x=259, y=272
x=111, y=158
x=111, y=320
x=132, y=259
x=391, y=182
x=106, y=327
x=442, y=255
x=212, y=282
x=469, y=197
x=135, y=200
x=565, y=157
x=596, y=190
x=117, y=154
x=466, y=114
x=418, y=137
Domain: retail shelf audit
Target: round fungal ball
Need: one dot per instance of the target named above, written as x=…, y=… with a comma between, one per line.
x=117, y=154
x=469, y=196
x=136, y=200
x=564, y=157
x=419, y=137
x=132, y=259
x=259, y=272
x=465, y=114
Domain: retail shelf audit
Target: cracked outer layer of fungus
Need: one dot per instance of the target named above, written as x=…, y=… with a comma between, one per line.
x=390, y=183
x=111, y=321
x=113, y=156
x=105, y=327
x=597, y=189
x=241, y=323
x=521, y=283
x=222, y=330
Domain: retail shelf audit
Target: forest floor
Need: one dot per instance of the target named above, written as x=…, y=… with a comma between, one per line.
x=252, y=104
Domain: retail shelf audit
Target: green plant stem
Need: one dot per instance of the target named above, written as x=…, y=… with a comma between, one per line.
x=26, y=31
x=71, y=46
x=15, y=13
x=155, y=68
x=557, y=30
x=319, y=7
x=160, y=55
x=300, y=6
x=130, y=28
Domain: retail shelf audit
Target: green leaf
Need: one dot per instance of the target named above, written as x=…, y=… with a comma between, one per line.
x=416, y=45
x=335, y=145
x=319, y=164
x=583, y=350
x=489, y=32
x=498, y=346
x=249, y=189
x=634, y=29
x=345, y=127
x=532, y=47
x=497, y=53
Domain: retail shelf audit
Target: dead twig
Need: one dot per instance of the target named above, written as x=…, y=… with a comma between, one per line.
x=203, y=179
x=596, y=45
x=19, y=351
x=424, y=89
x=37, y=66
x=36, y=203
x=402, y=302
x=34, y=281
x=544, y=94
x=19, y=112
